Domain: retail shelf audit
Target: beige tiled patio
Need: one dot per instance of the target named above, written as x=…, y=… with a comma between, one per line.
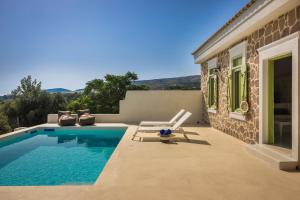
x=212, y=165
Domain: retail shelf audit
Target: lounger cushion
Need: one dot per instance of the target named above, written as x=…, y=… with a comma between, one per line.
x=81, y=112
x=86, y=119
x=65, y=118
x=60, y=113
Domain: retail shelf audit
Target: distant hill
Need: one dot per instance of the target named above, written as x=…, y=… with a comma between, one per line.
x=5, y=97
x=184, y=82
x=58, y=90
x=79, y=90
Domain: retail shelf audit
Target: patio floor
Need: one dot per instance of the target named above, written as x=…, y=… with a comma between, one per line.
x=212, y=165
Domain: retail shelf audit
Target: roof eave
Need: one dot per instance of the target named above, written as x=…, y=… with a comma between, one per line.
x=252, y=19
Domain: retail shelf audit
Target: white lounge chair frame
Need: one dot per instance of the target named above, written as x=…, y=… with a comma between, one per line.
x=164, y=123
x=175, y=128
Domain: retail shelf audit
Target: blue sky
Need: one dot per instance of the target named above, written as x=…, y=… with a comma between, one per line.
x=65, y=43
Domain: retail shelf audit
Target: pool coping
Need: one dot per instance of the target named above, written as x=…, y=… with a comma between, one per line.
x=129, y=130
x=48, y=125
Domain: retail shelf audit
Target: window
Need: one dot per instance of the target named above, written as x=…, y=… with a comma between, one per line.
x=212, y=89
x=212, y=85
x=237, y=80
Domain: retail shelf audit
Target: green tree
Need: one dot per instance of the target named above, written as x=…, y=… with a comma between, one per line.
x=9, y=109
x=28, y=88
x=115, y=90
x=93, y=86
x=103, y=96
x=4, y=125
x=32, y=104
x=59, y=102
x=81, y=102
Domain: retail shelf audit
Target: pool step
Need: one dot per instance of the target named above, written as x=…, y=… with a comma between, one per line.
x=49, y=129
x=273, y=157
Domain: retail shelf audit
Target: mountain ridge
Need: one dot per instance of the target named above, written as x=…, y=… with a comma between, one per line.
x=185, y=82
x=58, y=90
x=181, y=82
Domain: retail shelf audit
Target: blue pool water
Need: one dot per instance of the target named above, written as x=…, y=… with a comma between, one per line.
x=56, y=156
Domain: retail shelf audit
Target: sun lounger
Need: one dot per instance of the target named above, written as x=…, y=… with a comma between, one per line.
x=174, y=128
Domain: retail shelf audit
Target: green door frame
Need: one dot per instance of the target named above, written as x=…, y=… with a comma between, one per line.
x=271, y=101
x=271, y=96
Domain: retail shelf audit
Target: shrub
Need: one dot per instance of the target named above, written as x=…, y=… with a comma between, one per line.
x=4, y=125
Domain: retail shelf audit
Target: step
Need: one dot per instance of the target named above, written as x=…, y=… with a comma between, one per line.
x=273, y=157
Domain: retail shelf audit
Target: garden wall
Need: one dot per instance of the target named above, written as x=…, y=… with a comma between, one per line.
x=154, y=105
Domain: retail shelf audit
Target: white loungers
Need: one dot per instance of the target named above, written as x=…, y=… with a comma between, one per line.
x=174, y=128
x=163, y=123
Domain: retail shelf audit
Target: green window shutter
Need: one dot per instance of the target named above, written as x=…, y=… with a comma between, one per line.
x=229, y=91
x=243, y=83
x=207, y=91
x=215, y=103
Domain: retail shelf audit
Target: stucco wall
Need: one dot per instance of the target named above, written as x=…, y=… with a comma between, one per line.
x=247, y=130
x=152, y=105
x=160, y=105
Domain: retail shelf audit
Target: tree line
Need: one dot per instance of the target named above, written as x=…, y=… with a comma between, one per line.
x=30, y=105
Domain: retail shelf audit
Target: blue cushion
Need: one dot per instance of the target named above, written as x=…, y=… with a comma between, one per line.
x=162, y=131
x=165, y=132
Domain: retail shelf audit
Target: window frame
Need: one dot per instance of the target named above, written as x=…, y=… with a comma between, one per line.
x=236, y=52
x=212, y=104
x=212, y=85
x=235, y=90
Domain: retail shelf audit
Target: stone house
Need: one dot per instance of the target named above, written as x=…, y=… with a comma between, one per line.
x=250, y=79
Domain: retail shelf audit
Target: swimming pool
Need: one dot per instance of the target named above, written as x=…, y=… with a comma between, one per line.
x=58, y=156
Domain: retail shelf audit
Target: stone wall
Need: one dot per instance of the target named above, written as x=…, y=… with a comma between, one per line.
x=246, y=130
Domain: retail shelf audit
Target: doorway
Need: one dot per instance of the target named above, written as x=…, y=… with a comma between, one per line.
x=280, y=101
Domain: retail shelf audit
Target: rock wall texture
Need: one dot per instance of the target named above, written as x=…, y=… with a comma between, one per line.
x=246, y=130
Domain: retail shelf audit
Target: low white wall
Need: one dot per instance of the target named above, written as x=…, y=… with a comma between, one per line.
x=160, y=105
x=152, y=105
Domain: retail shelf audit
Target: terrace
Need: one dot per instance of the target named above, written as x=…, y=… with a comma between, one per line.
x=208, y=164
x=211, y=165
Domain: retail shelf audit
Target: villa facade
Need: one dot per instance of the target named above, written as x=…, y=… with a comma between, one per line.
x=249, y=76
